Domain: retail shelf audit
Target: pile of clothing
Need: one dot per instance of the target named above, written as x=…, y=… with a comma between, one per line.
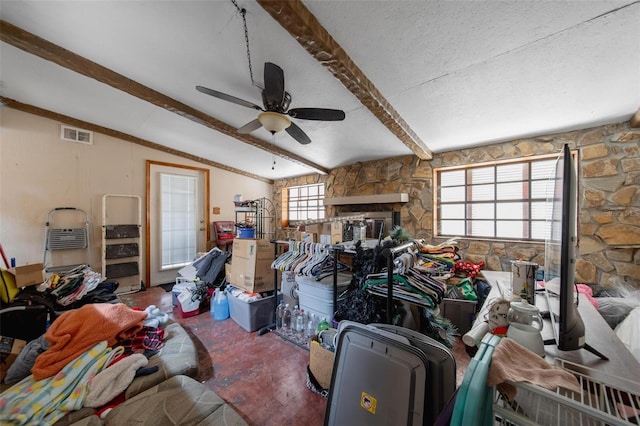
x=73, y=285
x=87, y=358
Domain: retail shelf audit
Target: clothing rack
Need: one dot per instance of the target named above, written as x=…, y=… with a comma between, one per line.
x=335, y=251
x=390, y=253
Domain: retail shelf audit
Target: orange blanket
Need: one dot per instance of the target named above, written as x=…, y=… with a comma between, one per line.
x=74, y=332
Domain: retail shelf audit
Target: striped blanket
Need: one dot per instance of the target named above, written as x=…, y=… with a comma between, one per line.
x=43, y=402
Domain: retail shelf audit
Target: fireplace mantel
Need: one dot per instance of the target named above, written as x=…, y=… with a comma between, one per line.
x=396, y=197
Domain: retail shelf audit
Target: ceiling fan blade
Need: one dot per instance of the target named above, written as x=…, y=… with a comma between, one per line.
x=250, y=126
x=321, y=114
x=273, y=93
x=228, y=98
x=297, y=133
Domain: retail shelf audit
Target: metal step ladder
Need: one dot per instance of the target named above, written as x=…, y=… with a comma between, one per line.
x=66, y=240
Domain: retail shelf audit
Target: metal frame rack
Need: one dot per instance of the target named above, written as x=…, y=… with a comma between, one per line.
x=599, y=403
x=261, y=213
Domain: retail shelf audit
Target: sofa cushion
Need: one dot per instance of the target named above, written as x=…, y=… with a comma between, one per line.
x=179, y=400
x=178, y=356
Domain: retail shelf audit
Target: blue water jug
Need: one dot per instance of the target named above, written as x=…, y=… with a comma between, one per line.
x=221, y=308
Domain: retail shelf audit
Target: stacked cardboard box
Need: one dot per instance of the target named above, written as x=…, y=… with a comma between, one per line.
x=251, y=265
x=325, y=233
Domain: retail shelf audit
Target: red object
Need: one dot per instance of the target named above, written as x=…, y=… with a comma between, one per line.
x=4, y=257
x=468, y=268
x=188, y=314
x=499, y=331
x=224, y=234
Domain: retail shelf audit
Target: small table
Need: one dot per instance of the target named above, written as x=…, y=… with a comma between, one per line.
x=621, y=364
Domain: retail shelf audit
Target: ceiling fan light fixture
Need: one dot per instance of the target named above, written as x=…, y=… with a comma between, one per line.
x=273, y=121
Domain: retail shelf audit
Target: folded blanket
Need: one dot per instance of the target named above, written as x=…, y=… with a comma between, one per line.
x=515, y=363
x=113, y=380
x=76, y=331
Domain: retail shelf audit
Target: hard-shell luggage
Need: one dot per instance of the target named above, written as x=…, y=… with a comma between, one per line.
x=386, y=375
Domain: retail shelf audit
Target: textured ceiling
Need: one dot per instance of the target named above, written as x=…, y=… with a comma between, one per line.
x=436, y=75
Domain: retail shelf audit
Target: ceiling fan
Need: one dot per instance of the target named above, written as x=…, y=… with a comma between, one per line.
x=275, y=113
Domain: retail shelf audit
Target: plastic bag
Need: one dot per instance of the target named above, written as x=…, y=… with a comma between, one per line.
x=615, y=309
x=628, y=331
x=622, y=299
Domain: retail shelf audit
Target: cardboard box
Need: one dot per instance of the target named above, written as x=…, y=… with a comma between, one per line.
x=10, y=348
x=308, y=237
x=251, y=265
x=320, y=362
x=325, y=233
x=29, y=274
x=314, y=228
x=334, y=230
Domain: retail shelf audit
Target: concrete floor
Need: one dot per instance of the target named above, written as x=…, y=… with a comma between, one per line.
x=262, y=377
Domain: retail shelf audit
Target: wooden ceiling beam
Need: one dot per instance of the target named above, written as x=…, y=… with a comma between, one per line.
x=293, y=16
x=64, y=119
x=38, y=46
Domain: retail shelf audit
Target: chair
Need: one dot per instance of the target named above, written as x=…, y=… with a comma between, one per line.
x=225, y=233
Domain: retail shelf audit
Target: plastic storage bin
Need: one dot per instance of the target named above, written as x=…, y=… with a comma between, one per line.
x=246, y=233
x=316, y=297
x=252, y=315
x=461, y=313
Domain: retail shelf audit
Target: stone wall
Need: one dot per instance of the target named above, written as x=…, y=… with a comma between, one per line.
x=609, y=199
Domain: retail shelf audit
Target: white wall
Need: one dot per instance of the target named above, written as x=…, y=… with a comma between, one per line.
x=39, y=171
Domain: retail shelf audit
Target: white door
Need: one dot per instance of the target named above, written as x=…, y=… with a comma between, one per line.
x=177, y=206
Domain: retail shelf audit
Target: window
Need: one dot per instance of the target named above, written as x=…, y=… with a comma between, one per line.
x=501, y=200
x=179, y=220
x=305, y=202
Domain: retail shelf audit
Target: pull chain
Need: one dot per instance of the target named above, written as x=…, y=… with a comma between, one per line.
x=273, y=156
x=243, y=13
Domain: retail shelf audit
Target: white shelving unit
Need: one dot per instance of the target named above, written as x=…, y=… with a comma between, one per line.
x=121, y=224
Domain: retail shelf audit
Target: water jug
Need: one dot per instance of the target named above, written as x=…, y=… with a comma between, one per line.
x=221, y=308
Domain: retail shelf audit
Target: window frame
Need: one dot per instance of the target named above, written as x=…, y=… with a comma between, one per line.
x=495, y=201
x=287, y=199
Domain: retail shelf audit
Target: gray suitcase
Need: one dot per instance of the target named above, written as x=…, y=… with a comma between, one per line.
x=388, y=375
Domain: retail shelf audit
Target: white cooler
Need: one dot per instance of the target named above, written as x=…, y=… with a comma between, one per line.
x=316, y=297
x=181, y=284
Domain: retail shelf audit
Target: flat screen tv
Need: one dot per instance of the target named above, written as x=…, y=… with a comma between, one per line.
x=568, y=327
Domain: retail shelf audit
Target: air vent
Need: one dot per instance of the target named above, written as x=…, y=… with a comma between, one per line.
x=73, y=134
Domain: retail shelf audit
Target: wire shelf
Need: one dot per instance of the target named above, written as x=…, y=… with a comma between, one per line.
x=599, y=403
